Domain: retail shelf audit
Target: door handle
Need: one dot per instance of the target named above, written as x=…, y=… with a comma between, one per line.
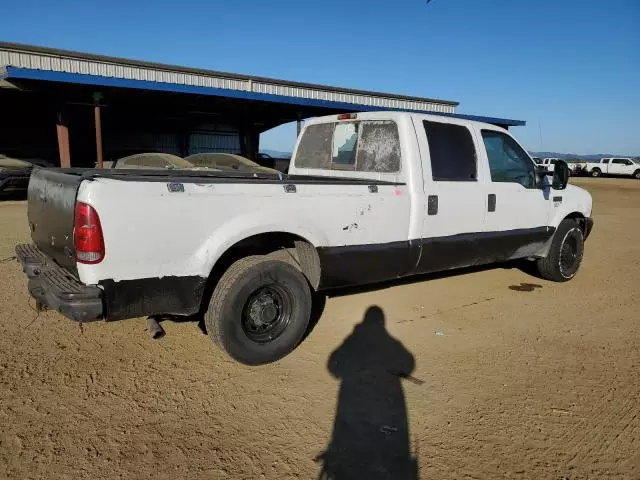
x=432, y=205
x=492, y=202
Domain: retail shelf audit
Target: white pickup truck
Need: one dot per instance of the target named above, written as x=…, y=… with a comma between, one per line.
x=369, y=197
x=613, y=166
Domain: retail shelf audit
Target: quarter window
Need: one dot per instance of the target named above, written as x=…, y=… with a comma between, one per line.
x=453, y=156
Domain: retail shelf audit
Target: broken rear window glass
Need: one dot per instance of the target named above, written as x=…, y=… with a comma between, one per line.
x=345, y=142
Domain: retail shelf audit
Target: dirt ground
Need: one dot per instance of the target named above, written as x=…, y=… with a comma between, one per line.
x=505, y=376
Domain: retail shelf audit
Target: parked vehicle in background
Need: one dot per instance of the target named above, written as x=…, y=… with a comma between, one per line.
x=226, y=162
x=549, y=163
x=538, y=160
x=369, y=197
x=15, y=172
x=576, y=167
x=152, y=160
x=614, y=166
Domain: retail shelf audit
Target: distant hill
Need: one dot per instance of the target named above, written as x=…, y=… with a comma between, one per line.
x=277, y=153
x=585, y=158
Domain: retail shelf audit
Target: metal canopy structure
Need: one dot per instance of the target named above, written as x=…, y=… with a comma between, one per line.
x=183, y=110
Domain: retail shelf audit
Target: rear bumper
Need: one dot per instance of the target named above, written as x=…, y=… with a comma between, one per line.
x=57, y=289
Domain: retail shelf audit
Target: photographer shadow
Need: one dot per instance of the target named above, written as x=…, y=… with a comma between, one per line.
x=371, y=430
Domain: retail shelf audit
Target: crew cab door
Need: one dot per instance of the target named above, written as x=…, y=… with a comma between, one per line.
x=621, y=166
x=454, y=200
x=518, y=209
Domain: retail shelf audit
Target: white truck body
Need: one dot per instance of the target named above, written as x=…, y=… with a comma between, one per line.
x=368, y=198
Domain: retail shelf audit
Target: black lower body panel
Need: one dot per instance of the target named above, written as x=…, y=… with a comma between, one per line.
x=362, y=264
x=153, y=296
x=57, y=289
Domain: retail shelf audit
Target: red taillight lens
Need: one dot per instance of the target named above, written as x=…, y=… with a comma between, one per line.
x=87, y=234
x=347, y=116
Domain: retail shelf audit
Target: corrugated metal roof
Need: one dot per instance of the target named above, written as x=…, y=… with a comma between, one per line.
x=47, y=59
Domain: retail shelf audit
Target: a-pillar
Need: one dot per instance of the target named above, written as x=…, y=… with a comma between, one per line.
x=62, y=130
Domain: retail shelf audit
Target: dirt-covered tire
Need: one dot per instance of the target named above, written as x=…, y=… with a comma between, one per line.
x=596, y=172
x=636, y=174
x=565, y=255
x=259, y=310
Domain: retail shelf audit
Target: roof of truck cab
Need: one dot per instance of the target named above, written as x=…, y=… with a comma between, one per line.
x=390, y=114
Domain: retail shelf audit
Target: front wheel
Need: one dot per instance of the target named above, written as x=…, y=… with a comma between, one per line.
x=565, y=255
x=259, y=310
x=636, y=174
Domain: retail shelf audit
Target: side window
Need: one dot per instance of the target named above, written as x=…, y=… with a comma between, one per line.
x=605, y=161
x=453, y=155
x=508, y=162
x=367, y=146
x=618, y=161
x=314, y=150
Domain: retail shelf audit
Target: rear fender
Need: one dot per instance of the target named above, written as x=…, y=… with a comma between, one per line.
x=243, y=227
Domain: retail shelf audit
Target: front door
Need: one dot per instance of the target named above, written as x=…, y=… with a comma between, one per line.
x=455, y=204
x=517, y=218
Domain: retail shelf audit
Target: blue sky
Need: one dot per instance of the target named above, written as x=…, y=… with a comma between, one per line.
x=571, y=68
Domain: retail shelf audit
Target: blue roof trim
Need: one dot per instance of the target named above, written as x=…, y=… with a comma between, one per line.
x=84, y=79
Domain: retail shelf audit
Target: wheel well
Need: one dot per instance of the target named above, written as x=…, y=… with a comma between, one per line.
x=580, y=218
x=285, y=246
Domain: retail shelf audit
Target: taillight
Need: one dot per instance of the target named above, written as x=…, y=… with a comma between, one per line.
x=87, y=234
x=347, y=116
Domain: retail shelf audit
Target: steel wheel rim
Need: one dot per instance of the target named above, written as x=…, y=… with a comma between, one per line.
x=569, y=254
x=267, y=313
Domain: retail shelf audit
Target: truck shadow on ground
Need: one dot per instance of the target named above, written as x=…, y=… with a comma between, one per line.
x=320, y=299
x=524, y=266
x=370, y=437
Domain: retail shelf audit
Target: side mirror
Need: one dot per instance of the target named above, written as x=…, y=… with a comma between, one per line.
x=560, y=175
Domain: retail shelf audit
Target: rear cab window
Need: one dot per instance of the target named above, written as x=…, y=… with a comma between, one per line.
x=353, y=145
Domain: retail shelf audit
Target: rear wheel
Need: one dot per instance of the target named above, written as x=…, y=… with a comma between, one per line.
x=259, y=310
x=565, y=255
x=596, y=172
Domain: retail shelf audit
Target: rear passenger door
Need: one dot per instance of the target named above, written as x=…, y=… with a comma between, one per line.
x=455, y=203
x=518, y=209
